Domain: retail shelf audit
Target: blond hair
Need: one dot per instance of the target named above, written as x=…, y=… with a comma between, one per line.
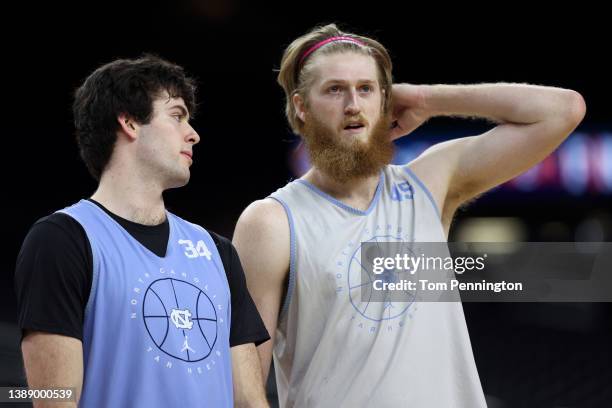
x=295, y=74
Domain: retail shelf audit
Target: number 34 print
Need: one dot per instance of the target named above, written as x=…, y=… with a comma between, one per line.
x=191, y=251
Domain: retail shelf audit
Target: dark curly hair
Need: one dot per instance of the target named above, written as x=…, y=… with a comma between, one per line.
x=123, y=86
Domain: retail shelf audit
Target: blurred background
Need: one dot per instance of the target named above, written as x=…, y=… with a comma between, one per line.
x=528, y=355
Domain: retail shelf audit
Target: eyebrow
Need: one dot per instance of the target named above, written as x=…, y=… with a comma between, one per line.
x=344, y=81
x=181, y=108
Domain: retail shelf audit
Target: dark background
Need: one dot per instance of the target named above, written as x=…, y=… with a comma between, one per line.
x=532, y=355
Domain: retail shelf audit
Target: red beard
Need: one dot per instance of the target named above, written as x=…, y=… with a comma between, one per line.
x=344, y=160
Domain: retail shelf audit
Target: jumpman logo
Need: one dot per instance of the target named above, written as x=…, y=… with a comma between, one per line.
x=180, y=318
x=186, y=346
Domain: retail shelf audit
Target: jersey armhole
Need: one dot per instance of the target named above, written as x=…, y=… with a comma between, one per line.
x=95, y=260
x=292, y=256
x=423, y=187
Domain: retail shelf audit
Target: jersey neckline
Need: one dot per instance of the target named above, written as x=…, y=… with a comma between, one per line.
x=107, y=214
x=344, y=206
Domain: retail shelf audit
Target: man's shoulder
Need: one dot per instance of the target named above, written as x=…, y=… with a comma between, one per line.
x=56, y=224
x=262, y=238
x=265, y=213
x=56, y=240
x=264, y=223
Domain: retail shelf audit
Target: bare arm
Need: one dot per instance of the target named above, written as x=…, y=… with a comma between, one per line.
x=262, y=241
x=532, y=122
x=53, y=361
x=249, y=389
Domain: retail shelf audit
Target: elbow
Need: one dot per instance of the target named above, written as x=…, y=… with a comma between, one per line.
x=575, y=109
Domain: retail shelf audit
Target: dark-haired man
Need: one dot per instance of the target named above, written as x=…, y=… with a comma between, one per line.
x=119, y=298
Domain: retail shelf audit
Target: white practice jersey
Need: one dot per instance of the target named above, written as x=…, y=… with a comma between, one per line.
x=335, y=350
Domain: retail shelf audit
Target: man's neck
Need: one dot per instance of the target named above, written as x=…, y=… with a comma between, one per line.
x=136, y=201
x=356, y=193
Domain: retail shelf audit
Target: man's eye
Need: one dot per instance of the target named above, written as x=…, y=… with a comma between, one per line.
x=366, y=88
x=334, y=89
x=179, y=117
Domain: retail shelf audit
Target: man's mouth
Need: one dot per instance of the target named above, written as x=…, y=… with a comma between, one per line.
x=354, y=127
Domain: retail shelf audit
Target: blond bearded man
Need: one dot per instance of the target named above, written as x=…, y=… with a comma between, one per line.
x=330, y=350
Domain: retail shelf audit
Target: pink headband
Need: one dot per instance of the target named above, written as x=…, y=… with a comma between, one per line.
x=330, y=40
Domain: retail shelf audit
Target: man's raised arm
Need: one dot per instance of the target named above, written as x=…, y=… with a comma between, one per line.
x=532, y=122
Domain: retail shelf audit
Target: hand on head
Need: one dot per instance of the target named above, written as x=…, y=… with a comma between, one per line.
x=407, y=110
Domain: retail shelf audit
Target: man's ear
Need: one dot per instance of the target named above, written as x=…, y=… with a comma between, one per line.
x=299, y=106
x=128, y=126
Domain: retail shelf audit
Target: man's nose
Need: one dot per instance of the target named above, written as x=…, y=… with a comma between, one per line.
x=352, y=103
x=192, y=135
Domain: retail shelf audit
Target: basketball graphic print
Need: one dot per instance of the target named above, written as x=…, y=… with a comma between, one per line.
x=361, y=290
x=180, y=319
